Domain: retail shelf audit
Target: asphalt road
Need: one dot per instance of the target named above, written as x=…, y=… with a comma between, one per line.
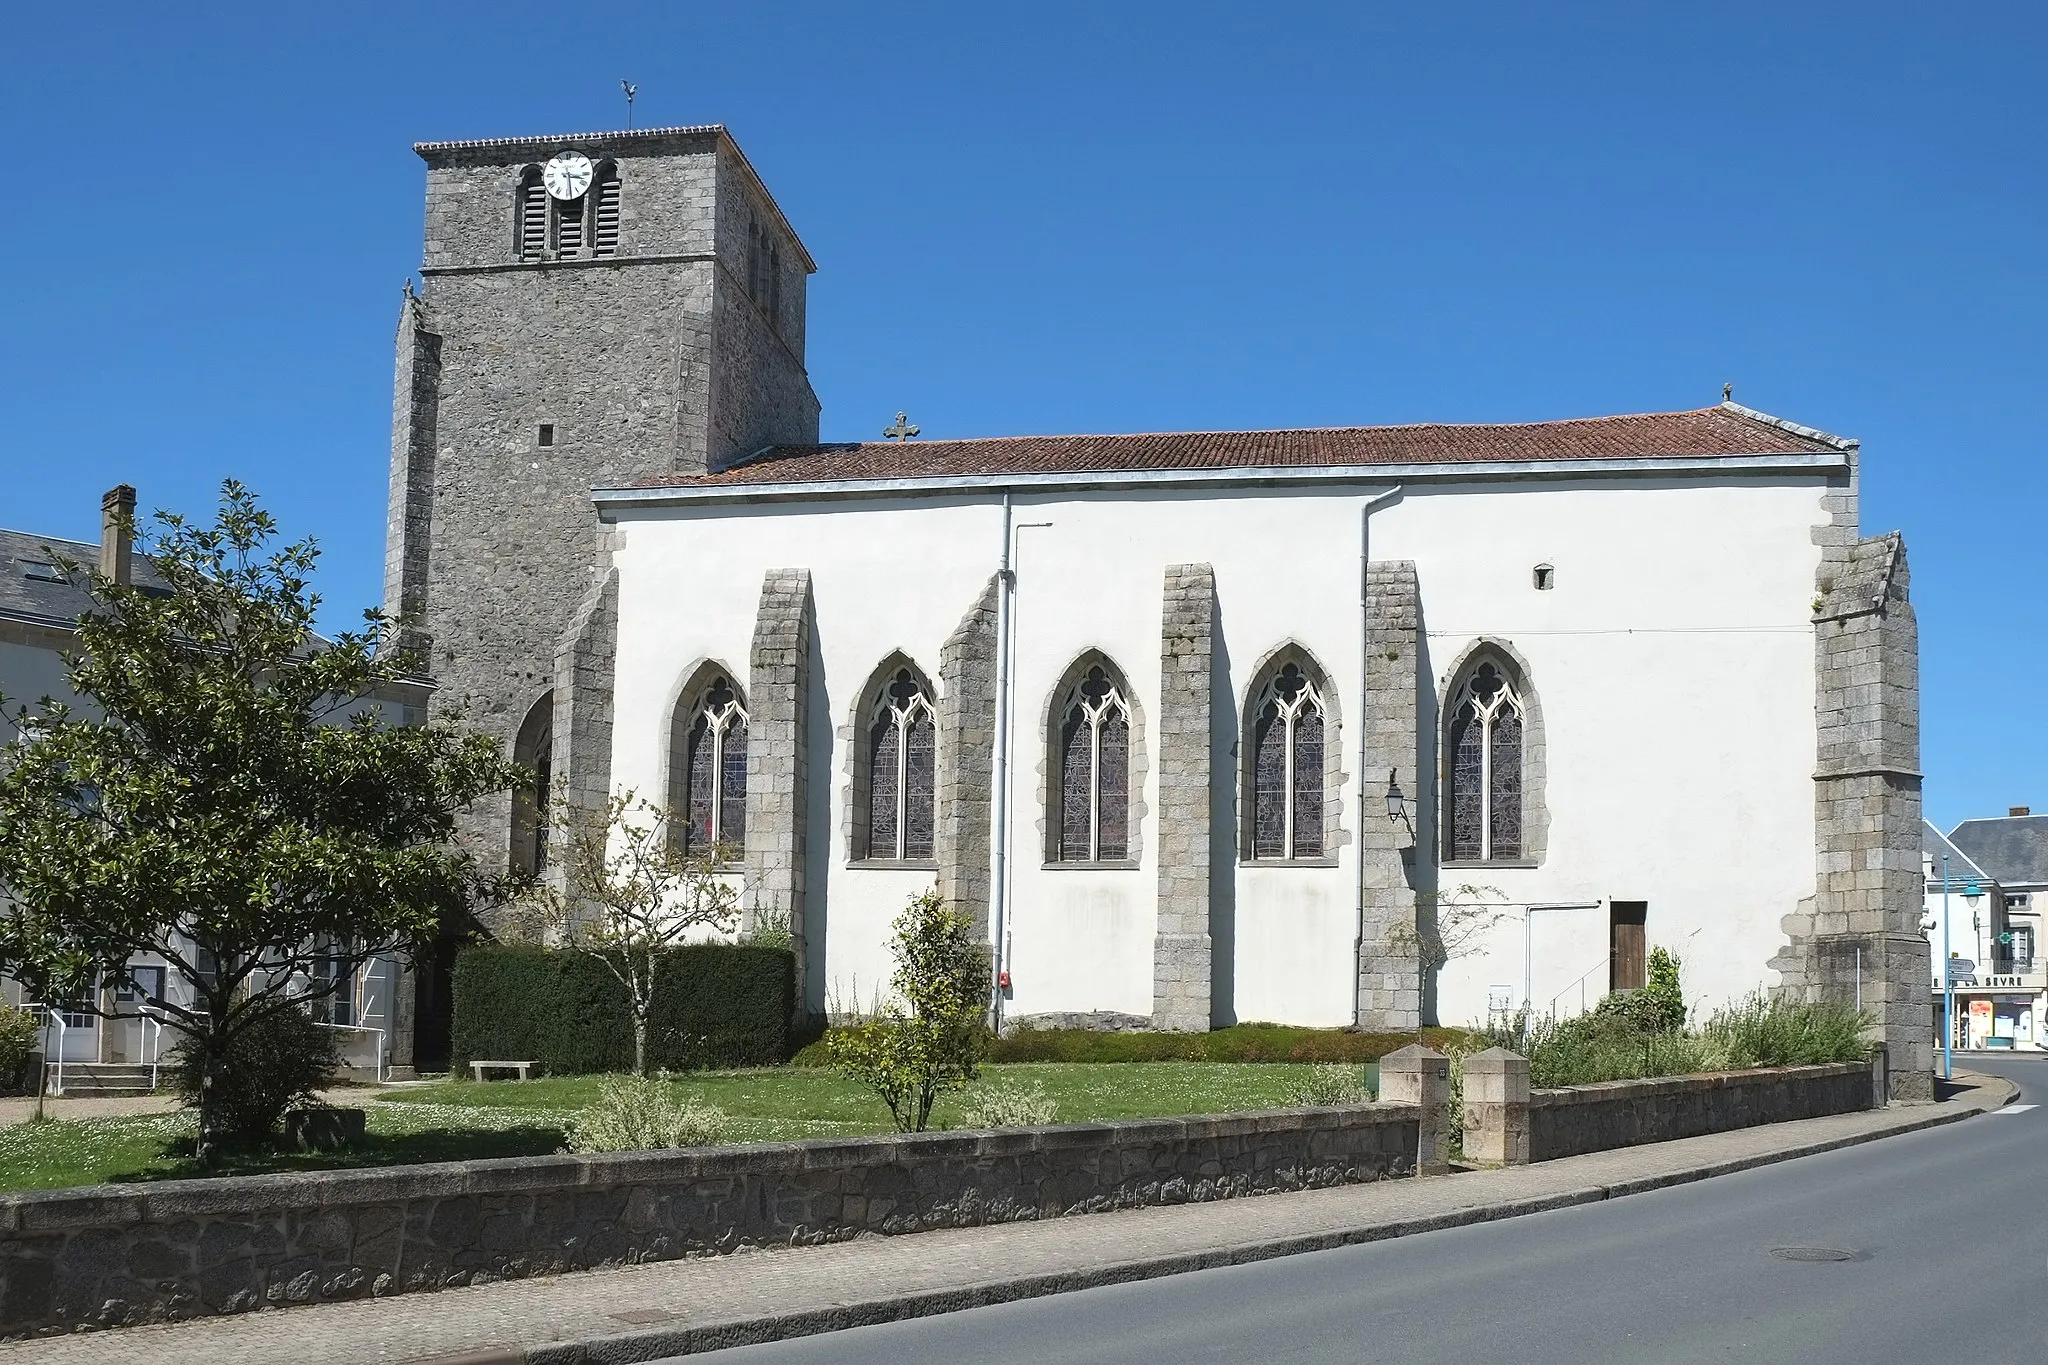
x=1947, y=1231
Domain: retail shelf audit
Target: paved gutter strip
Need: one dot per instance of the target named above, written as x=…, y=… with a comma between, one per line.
x=583, y=1318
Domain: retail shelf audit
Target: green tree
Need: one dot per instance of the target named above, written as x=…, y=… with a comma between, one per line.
x=629, y=892
x=1663, y=989
x=932, y=1036
x=232, y=800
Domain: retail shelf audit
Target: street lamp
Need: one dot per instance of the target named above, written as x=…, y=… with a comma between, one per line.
x=1397, y=800
x=1972, y=894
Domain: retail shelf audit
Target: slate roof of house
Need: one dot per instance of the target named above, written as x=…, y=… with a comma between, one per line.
x=31, y=586
x=1727, y=430
x=2012, y=848
x=1934, y=843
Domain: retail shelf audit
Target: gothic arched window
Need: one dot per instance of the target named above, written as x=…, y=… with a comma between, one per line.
x=534, y=749
x=530, y=216
x=714, y=804
x=1092, y=751
x=1483, y=776
x=900, y=746
x=1287, y=719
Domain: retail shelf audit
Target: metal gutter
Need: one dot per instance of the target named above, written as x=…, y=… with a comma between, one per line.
x=613, y=500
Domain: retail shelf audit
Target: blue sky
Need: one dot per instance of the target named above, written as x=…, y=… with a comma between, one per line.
x=1101, y=217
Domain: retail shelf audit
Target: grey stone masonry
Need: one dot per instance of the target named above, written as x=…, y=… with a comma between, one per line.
x=778, y=787
x=1389, y=956
x=1181, y=949
x=115, y=1255
x=1421, y=1076
x=586, y=665
x=555, y=370
x=1597, y=1118
x=1859, y=933
x=967, y=748
x=1497, y=1108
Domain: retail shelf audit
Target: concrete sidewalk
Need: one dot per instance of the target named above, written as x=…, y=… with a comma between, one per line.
x=675, y=1307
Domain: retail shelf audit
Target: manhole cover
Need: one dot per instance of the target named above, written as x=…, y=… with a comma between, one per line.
x=1815, y=1254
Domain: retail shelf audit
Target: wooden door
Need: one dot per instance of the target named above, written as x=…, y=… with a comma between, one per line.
x=1628, y=945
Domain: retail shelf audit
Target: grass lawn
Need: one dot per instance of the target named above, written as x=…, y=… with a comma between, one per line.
x=464, y=1120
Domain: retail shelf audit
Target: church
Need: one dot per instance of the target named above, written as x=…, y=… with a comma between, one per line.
x=1360, y=727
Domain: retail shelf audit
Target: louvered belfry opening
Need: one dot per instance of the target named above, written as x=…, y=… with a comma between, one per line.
x=569, y=223
x=604, y=239
x=530, y=216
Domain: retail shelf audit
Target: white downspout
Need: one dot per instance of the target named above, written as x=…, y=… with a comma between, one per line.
x=998, y=885
x=1365, y=512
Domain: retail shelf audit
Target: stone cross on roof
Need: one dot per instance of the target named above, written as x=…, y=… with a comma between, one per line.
x=902, y=431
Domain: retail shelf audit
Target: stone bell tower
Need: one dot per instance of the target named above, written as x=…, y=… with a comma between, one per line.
x=596, y=309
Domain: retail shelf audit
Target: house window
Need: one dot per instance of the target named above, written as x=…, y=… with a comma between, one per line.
x=1483, y=786
x=901, y=746
x=141, y=986
x=715, y=803
x=1288, y=718
x=331, y=997
x=530, y=216
x=2023, y=948
x=1093, y=745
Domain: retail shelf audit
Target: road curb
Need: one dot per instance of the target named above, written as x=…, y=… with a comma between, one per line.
x=689, y=1339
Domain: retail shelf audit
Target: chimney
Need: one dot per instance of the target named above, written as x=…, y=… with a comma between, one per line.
x=117, y=534
x=2019, y=810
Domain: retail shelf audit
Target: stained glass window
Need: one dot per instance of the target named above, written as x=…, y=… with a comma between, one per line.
x=1094, y=790
x=1483, y=784
x=902, y=776
x=715, y=801
x=1287, y=767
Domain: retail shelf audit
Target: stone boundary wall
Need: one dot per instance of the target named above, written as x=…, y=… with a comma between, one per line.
x=1599, y=1118
x=112, y=1255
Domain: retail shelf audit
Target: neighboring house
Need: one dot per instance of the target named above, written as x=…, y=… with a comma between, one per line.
x=1997, y=881
x=39, y=609
x=1195, y=727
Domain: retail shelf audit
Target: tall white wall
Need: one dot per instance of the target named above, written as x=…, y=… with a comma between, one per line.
x=1673, y=661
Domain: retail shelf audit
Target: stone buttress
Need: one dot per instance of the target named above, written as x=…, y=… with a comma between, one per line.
x=966, y=776
x=778, y=764
x=1389, y=956
x=1860, y=931
x=1182, y=948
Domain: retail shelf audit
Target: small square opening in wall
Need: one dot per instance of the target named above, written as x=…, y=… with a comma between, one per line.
x=547, y=433
x=1544, y=577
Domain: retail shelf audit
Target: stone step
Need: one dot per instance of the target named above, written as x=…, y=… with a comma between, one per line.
x=84, y=1079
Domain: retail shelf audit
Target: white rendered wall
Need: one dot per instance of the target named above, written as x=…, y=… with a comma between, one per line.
x=1673, y=662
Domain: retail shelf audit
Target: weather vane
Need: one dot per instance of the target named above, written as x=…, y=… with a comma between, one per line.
x=631, y=90
x=902, y=431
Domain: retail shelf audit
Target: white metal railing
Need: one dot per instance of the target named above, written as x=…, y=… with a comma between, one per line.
x=1606, y=960
x=153, y=1043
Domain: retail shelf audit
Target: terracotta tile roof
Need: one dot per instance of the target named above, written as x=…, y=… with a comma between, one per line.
x=1727, y=430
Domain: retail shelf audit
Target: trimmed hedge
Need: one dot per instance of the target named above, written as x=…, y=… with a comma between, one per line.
x=1237, y=1043
x=715, y=1005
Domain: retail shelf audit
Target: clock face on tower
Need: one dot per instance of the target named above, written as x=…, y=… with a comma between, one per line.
x=567, y=175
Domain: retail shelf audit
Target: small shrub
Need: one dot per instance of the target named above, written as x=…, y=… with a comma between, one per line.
x=274, y=1064
x=18, y=1030
x=1009, y=1106
x=1761, y=1030
x=931, y=1037
x=1330, y=1083
x=637, y=1114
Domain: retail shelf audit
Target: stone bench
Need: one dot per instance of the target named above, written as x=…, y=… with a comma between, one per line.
x=525, y=1069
